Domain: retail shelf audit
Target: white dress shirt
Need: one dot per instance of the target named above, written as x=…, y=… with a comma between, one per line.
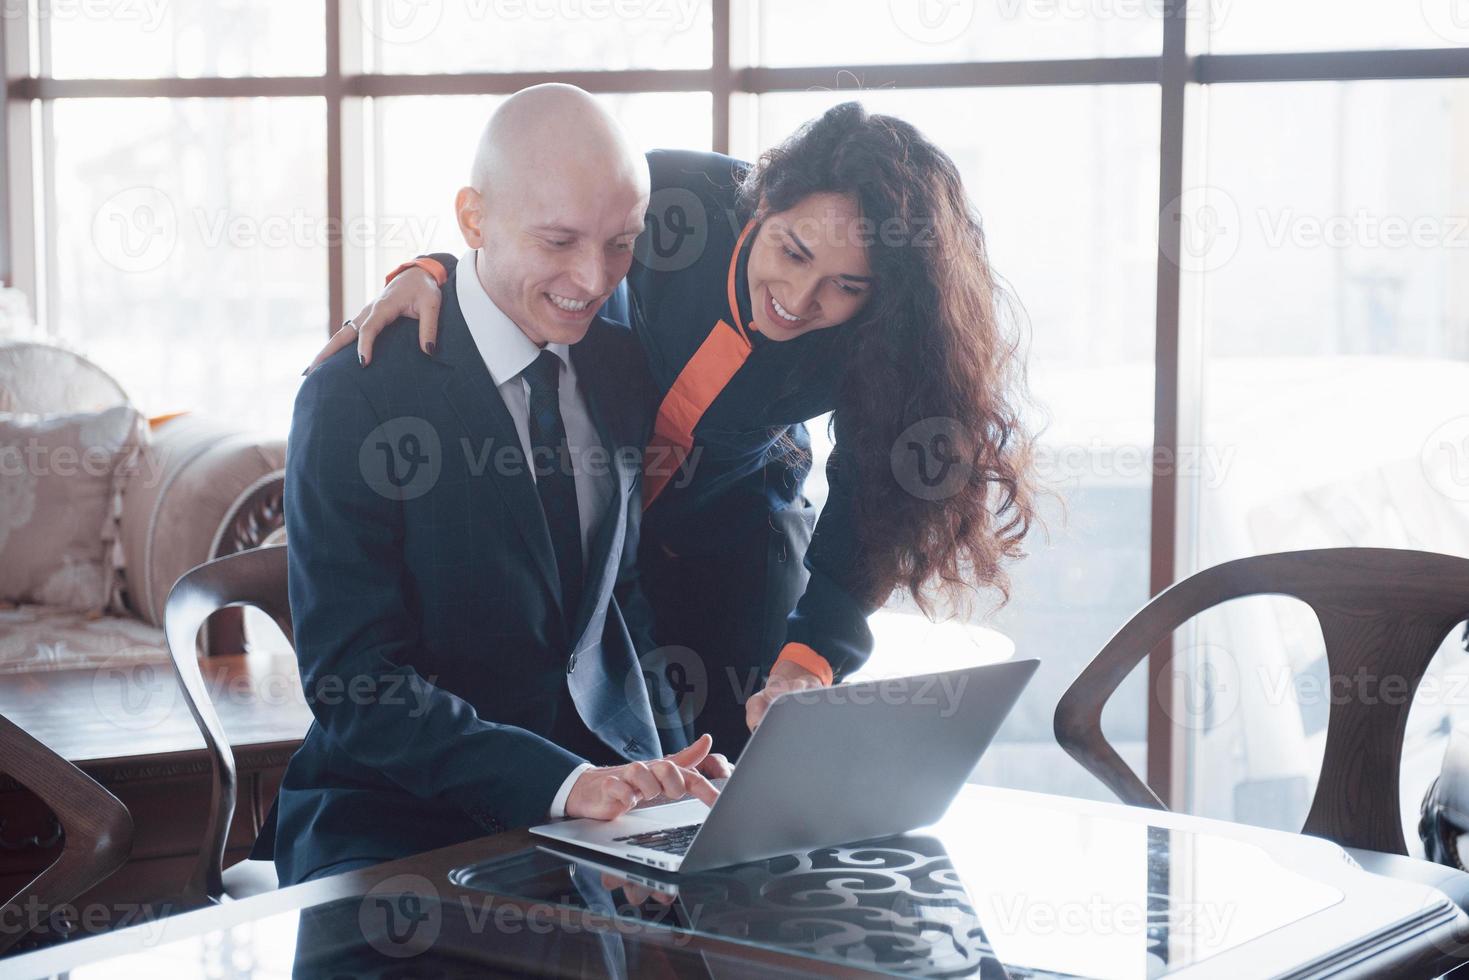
x=507, y=351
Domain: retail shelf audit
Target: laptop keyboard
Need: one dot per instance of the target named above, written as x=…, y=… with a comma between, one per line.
x=672, y=840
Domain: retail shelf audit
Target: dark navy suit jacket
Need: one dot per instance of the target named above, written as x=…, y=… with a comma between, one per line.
x=450, y=697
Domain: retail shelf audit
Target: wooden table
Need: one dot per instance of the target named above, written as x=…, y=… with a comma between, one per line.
x=130, y=729
x=1008, y=884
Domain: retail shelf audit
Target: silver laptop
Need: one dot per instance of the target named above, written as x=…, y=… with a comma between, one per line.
x=829, y=766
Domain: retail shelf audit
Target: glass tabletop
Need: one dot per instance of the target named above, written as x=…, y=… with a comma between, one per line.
x=1028, y=893
x=1011, y=888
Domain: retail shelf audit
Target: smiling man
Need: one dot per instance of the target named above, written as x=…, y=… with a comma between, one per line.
x=463, y=530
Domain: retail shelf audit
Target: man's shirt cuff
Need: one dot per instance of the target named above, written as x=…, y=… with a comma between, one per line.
x=558, y=805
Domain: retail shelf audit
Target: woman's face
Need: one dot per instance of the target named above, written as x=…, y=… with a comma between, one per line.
x=808, y=267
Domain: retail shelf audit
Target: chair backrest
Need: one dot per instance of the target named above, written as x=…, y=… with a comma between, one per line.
x=1383, y=614
x=248, y=578
x=42, y=379
x=99, y=829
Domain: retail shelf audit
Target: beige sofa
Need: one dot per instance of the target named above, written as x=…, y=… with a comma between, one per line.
x=209, y=491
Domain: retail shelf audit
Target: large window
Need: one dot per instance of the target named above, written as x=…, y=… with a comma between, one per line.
x=413, y=190
x=185, y=252
x=866, y=32
x=1335, y=331
x=1237, y=232
x=430, y=38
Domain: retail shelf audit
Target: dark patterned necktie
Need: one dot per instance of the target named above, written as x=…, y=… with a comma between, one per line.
x=555, y=481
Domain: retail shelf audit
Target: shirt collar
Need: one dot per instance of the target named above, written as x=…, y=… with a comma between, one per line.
x=506, y=350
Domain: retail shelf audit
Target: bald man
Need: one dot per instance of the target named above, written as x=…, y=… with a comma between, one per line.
x=463, y=530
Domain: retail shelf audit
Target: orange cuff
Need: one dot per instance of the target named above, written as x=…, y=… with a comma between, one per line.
x=807, y=659
x=431, y=266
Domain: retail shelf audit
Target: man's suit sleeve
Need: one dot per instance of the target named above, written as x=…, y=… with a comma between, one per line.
x=354, y=629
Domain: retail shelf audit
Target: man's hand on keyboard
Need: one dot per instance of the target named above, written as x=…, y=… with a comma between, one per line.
x=607, y=792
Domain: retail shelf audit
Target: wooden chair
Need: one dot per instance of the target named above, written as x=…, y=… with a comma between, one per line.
x=98, y=829
x=1383, y=614
x=249, y=578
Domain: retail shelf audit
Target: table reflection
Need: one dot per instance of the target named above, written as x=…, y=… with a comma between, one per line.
x=990, y=892
x=1032, y=893
x=895, y=906
x=1069, y=893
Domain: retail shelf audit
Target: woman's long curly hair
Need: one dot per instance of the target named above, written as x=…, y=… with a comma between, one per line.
x=931, y=363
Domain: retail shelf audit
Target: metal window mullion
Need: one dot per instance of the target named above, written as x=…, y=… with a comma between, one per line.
x=721, y=81
x=1332, y=66
x=274, y=86
x=756, y=80
x=1173, y=78
x=356, y=159
x=333, y=91
x=622, y=81
x=43, y=188
x=1141, y=70
x=22, y=178
x=16, y=210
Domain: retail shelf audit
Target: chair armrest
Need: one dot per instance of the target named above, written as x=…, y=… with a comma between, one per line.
x=201, y=490
x=99, y=830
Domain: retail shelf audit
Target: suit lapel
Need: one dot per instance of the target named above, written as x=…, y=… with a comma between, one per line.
x=605, y=546
x=472, y=393
x=611, y=698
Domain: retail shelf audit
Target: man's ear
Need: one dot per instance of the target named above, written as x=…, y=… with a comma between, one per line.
x=469, y=209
